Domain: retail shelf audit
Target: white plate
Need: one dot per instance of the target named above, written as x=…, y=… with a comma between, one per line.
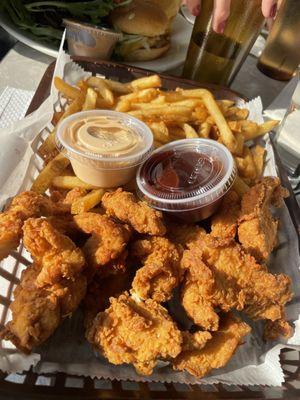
x=173, y=58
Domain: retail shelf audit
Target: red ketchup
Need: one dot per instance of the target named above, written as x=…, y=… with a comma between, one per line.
x=187, y=178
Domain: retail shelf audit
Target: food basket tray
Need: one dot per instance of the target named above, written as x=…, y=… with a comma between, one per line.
x=30, y=385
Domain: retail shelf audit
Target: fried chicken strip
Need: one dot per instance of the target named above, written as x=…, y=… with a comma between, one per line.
x=25, y=205
x=55, y=253
x=279, y=328
x=108, y=238
x=160, y=272
x=237, y=281
x=216, y=352
x=135, y=333
x=257, y=229
x=125, y=207
x=224, y=223
x=37, y=312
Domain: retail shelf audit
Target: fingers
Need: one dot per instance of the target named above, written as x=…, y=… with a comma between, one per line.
x=193, y=6
x=269, y=8
x=221, y=13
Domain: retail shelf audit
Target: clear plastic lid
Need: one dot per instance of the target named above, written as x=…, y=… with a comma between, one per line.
x=186, y=174
x=132, y=154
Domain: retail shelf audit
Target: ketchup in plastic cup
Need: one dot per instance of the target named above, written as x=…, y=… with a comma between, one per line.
x=187, y=178
x=105, y=147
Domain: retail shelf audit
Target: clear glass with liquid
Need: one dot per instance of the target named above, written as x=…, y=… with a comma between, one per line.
x=216, y=58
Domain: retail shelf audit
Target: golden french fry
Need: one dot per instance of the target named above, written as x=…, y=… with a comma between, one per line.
x=176, y=132
x=245, y=165
x=236, y=114
x=70, y=182
x=204, y=130
x=240, y=140
x=67, y=90
x=118, y=87
x=199, y=115
x=151, y=81
x=101, y=103
x=160, y=131
x=267, y=126
x=189, y=131
x=235, y=126
x=240, y=187
x=172, y=96
x=102, y=87
x=123, y=106
x=214, y=110
x=258, y=154
x=87, y=202
x=225, y=104
x=157, y=144
x=254, y=130
x=46, y=176
x=160, y=99
x=48, y=145
x=75, y=106
x=164, y=112
x=90, y=100
x=56, y=117
x=145, y=95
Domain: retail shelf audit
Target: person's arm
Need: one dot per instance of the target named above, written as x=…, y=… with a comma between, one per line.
x=222, y=11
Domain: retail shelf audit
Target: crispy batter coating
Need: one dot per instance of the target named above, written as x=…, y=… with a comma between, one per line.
x=37, y=312
x=135, y=333
x=279, y=328
x=74, y=194
x=108, y=238
x=257, y=229
x=56, y=254
x=25, y=205
x=125, y=207
x=216, y=352
x=183, y=234
x=160, y=272
x=237, y=281
x=224, y=223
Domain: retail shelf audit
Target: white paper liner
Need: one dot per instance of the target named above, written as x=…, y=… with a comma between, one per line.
x=254, y=363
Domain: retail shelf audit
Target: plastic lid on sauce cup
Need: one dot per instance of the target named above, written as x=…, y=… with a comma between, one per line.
x=186, y=175
x=104, y=155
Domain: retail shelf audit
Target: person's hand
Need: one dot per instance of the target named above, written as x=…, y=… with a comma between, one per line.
x=222, y=11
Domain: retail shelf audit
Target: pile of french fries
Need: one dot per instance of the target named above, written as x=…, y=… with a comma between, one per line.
x=171, y=115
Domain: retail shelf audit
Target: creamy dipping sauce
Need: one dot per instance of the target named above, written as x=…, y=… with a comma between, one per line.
x=103, y=135
x=105, y=147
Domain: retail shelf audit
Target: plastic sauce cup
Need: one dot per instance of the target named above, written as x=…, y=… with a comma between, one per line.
x=187, y=178
x=104, y=169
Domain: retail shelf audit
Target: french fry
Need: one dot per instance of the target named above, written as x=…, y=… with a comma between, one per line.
x=70, y=182
x=48, y=145
x=258, y=154
x=151, y=81
x=160, y=99
x=160, y=131
x=260, y=130
x=101, y=103
x=236, y=114
x=145, y=95
x=67, y=90
x=199, y=115
x=189, y=131
x=240, y=140
x=75, y=106
x=118, y=87
x=240, y=187
x=123, y=106
x=225, y=104
x=90, y=100
x=87, y=202
x=204, y=130
x=165, y=112
x=172, y=96
x=49, y=172
x=245, y=165
x=214, y=110
x=102, y=87
x=56, y=117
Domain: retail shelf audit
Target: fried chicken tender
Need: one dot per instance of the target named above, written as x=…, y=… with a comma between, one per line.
x=74, y=194
x=257, y=229
x=224, y=223
x=183, y=234
x=109, y=281
x=279, y=328
x=160, y=272
x=216, y=352
x=125, y=207
x=37, y=312
x=108, y=238
x=135, y=333
x=236, y=281
x=25, y=205
x=56, y=254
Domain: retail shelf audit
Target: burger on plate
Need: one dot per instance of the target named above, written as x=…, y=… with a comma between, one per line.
x=146, y=30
